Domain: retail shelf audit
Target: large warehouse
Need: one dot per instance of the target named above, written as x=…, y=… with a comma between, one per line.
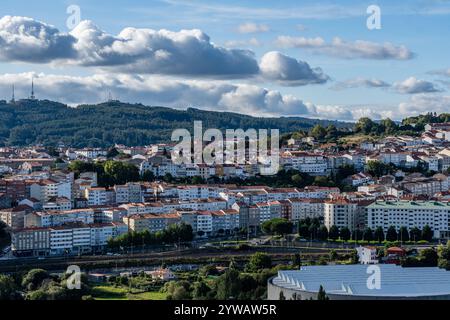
x=350, y=282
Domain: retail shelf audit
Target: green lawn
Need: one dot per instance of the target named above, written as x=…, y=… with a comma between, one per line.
x=108, y=292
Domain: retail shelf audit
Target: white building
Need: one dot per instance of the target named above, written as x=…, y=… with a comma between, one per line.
x=410, y=214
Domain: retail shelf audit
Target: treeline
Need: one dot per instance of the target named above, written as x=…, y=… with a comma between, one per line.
x=176, y=233
x=109, y=173
x=51, y=123
x=313, y=229
x=38, y=284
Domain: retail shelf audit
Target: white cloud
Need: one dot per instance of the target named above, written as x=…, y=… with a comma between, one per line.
x=143, y=51
x=340, y=48
x=360, y=82
x=153, y=90
x=251, y=27
x=187, y=52
x=28, y=40
x=252, y=42
x=413, y=85
x=289, y=71
x=424, y=103
x=209, y=95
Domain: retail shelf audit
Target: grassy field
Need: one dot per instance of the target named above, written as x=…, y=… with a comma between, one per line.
x=108, y=292
x=356, y=139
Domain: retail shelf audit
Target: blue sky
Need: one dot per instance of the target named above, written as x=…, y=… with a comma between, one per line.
x=400, y=70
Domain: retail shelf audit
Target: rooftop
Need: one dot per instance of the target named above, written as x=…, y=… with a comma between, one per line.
x=352, y=280
x=410, y=204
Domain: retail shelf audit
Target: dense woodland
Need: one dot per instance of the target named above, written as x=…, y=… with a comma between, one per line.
x=50, y=123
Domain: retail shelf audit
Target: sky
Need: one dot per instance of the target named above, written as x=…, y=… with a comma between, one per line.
x=316, y=59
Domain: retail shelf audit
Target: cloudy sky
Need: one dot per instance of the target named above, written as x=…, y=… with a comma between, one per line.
x=315, y=59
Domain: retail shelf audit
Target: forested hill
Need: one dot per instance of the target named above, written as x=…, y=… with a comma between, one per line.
x=41, y=121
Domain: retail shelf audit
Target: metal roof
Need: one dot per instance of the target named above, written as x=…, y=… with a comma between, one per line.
x=352, y=280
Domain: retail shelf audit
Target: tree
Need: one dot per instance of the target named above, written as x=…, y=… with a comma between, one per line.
x=332, y=132
x=378, y=168
x=318, y=132
x=112, y=153
x=7, y=288
x=427, y=233
x=364, y=125
x=415, y=234
x=322, y=234
x=333, y=255
x=281, y=296
x=200, y=290
x=33, y=279
x=333, y=233
x=303, y=230
x=403, y=234
x=228, y=285
x=259, y=261
x=148, y=176
x=345, y=234
x=367, y=234
x=379, y=234
x=277, y=226
x=391, y=234
x=298, y=180
x=429, y=257
x=354, y=257
x=322, y=295
x=197, y=180
x=297, y=260
x=389, y=126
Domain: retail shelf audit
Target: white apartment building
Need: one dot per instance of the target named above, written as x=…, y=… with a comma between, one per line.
x=410, y=214
x=340, y=213
x=306, y=208
x=96, y=196
x=314, y=164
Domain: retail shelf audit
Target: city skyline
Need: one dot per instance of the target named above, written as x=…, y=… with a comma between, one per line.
x=311, y=59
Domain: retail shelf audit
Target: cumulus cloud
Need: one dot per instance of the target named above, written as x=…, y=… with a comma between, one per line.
x=424, y=103
x=360, y=82
x=251, y=27
x=154, y=90
x=144, y=51
x=340, y=48
x=187, y=52
x=413, y=85
x=209, y=95
x=289, y=71
x=253, y=42
x=28, y=40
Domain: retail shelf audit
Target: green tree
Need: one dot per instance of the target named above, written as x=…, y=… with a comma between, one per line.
x=228, y=285
x=403, y=234
x=322, y=234
x=367, y=234
x=322, y=295
x=333, y=233
x=427, y=233
x=345, y=234
x=277, y=226
x=379, y=234
x=391, y=234
x=318, y=132
x=428, y=257
x=148, y=176
x=8, y=288
x=33, y=279
x=364, y=125
x=415, y=234
x=259, y=261
x=200, y=290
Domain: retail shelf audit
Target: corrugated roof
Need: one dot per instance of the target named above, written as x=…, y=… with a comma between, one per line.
x=352, y=280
